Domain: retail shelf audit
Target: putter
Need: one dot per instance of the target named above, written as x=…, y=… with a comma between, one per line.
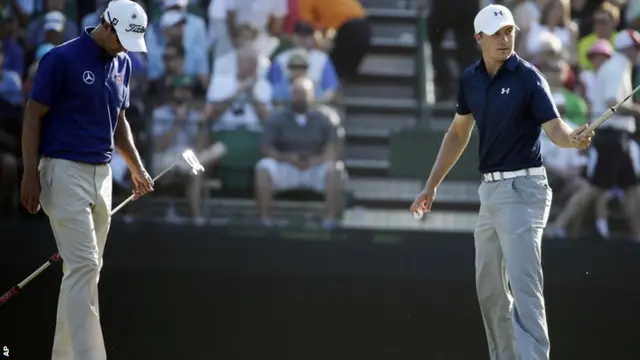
x=187, y=157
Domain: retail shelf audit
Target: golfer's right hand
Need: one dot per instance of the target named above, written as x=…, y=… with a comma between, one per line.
x=423, y=201
x=30, y=192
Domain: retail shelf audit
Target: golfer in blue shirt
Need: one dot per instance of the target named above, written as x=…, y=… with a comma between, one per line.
x=511, y=103
x=74, y=119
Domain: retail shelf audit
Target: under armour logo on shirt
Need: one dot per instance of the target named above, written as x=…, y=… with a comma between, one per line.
x=505, y=91
x=498, y=13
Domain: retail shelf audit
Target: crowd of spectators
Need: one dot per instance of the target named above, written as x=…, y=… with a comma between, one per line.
x=252, y=85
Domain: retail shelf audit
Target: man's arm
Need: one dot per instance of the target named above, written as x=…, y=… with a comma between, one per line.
x=123, y=139
x=455, y=141
x=627, y=108
x=559, y=132
x=31, y=128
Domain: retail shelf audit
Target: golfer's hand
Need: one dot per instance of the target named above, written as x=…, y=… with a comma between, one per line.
x=30, y=192
x=581, y=137
x=423, y=201
x=142, y=183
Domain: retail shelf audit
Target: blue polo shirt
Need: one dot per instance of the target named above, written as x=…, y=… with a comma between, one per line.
x=85, y=89
x=509, y=110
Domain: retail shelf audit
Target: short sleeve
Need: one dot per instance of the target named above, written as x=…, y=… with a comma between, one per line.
x=542, y=105
x=263, y=92
x=47, y=83
x=462, y=107
x=330, y=79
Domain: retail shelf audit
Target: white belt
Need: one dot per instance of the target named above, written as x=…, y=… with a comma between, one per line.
x=504, y=175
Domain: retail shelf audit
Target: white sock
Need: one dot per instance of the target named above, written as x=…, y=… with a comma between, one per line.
x=603, y=227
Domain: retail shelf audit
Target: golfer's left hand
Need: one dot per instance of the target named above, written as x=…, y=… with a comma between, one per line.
x=142, y=183
x=581, y=137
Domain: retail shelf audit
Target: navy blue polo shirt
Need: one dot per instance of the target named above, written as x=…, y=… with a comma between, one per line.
x=85, y=88
x=509, y=110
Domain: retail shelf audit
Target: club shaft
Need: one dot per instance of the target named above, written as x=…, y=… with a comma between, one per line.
x=56, y=257
x=610, y=111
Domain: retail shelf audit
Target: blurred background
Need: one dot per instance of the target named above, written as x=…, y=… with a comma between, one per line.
x=352, y=96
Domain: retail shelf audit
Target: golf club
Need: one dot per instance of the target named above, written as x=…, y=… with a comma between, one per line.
x=187, y=157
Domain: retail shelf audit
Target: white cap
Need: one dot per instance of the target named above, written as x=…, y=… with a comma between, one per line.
x=172, y=3
x=626, y=39
x=493, y=18
x=54, y=20
x=171, y=17
x=130, y=22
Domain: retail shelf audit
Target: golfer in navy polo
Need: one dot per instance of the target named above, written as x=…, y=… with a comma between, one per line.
x=510, y=102
x=74, y=118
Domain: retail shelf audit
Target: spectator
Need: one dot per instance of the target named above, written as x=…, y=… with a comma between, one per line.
x=555, y=21
x=265, y=15
x=570, y=104
x=54, y=15
x=54, y=25
x=298, y=144
x=600, y=52
x=31, y=72
x=297, y=67
x=218, y=33
x=13, y=53
x=227, y=64
x=320, y=67
x=344, y=30
x=605, y=20
x=188, y=29
x=236, y=99
x=458, y=16
x=175, y=127
x=611, y=159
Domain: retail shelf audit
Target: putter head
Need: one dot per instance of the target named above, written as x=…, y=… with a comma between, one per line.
x=192, y=162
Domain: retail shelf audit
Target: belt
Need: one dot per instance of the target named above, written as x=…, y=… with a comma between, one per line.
x=504, y=175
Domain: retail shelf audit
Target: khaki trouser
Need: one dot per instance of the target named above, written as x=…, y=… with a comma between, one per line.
x=77, y=199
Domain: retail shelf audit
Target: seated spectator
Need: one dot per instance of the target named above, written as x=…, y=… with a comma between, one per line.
x=570, y=104
x=605, y=20
x=265, y=15
x=175, y=127
x=320, y=66
x=188, y=29
x=299, y=148
x=54, y=24
x=555, y=21
x=218, y=33
x=13, y=53
x=93, y=18
x=10, y=88
x=236, y=100
x=27, y=10
x=297, y=67
x=344, y=29
x=54, y=17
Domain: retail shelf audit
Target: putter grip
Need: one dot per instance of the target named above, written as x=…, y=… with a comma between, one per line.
x=4, y=298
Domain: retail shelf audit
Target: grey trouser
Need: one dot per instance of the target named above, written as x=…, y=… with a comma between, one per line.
x=77, y=199
x=513, y=214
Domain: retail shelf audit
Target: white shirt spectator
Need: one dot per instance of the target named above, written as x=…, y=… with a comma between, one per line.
x=241, y=113
x=537, y=31
x=613, y=82
x=163, y=120
x=257, y=13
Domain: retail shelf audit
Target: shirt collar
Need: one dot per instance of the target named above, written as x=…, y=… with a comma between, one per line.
x=511, y=63
x=91, y=45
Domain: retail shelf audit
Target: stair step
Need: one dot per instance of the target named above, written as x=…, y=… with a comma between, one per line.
x=376, y=125
x=393, y=45
x=359, y=105
x=386, y=29
x=388, y=65
x=366, y=160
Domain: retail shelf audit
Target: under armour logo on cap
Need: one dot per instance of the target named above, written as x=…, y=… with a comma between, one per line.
x=498, y=13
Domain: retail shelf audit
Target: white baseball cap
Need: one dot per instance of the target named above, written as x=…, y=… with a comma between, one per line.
x=172, y=3
x=493, y=18
x=130, y=23
x=626, y=39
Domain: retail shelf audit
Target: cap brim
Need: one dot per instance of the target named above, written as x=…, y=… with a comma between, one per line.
x=133, y=43
x=496, y=28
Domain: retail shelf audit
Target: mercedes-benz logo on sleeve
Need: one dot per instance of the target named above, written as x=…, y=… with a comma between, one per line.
x=88, y=77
